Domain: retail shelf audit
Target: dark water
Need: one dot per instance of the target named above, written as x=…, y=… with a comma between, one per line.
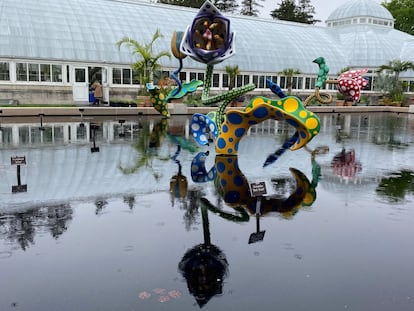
x=129, y=228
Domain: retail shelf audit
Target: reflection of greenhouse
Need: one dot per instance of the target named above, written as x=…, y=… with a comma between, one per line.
x=60, y=166
x=58, y=133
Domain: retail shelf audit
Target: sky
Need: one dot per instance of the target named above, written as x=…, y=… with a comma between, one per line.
x=323, y=8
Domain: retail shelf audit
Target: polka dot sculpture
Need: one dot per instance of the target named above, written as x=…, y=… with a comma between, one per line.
x=351, y=82
x=289, y=108
x=234, y=188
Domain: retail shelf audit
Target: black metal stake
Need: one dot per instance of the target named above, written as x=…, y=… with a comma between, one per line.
x=94, y=148
x=41, y=115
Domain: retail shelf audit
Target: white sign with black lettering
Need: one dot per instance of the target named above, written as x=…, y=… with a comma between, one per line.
x=258, y=188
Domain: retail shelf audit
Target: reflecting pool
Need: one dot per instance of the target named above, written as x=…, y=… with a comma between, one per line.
x=130, y=214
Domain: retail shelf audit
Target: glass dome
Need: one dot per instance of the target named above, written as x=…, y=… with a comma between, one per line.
x=356, y=8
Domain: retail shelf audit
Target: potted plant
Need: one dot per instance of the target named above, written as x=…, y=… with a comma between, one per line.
x=147, y=63
x=340, y=99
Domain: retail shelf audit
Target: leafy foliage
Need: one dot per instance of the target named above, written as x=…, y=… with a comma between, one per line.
x=188, y=3
x=250, y=7
x=395, y=67
x=403, y=12
x=397, y=186
x=289, y=73
x=302, y=12
x=232, y=72
x=221, y=5
x=148, y=62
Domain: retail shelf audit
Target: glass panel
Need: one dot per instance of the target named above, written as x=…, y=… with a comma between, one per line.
x=256, y=80
x=80, y=75
x=216, y=80
x=7, y=135
x=294, y=83
x=300, y=83
x=135, y=77
x=283, y=82
x=183, y=77
x=68, y=79
x=116, y=76
x=45, y=72
x=4, y=72
x=24, y=135
x=239, y=80
x=58, y=134
x=33, y=72
x=313, y=82
x=57, y=73
x=200, y=76
x=126, y=76
x=307, y=83
x=246, y=79
x=21, y=72
x=261, y=82
x=193, y=76
x=225, y=80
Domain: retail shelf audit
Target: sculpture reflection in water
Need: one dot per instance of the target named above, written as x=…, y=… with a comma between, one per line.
x=233, y=187
x=204, y=266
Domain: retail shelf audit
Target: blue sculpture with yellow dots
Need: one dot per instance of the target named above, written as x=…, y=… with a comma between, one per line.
x=209, y=40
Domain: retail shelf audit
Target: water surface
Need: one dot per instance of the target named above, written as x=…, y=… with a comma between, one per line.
x=141, y=225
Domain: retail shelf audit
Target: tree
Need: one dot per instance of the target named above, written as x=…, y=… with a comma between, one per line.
x=403, y=12
x=250, y=7
x=287, y=11
x=396, y=67
x=306, y=12
x=302, y=12
x=289, y=73
x=232, y=72
x=221, y=5
x=149, y=62
x=187, y=3
x=226, y=5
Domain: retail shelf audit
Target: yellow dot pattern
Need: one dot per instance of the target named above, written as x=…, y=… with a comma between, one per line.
x=259, y=109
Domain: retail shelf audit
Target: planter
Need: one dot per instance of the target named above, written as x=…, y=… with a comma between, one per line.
x=340, y=102
x=144, y=101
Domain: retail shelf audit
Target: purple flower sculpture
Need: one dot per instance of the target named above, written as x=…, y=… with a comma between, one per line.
x=208, y=40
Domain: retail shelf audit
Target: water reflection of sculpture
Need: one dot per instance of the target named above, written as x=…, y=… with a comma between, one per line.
x=204, y=267
x=233, y=187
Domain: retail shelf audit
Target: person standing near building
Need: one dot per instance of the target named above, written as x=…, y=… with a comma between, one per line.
x=97, y=87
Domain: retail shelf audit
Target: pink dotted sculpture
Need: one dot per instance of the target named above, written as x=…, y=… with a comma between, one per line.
x=351, y=82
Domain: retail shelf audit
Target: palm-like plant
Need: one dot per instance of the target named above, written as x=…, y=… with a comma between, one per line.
x=289, y=73
x=232, y=72
x=396, y=66
x=148, y=62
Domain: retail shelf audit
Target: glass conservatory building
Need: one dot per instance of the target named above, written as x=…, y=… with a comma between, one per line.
x=50, y=51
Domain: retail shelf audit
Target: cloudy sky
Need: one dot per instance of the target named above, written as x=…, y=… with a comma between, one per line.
x=322, y=7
